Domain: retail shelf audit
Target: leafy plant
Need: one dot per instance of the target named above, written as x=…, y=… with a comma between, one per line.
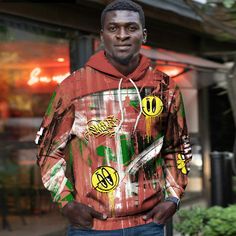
x=214, y=221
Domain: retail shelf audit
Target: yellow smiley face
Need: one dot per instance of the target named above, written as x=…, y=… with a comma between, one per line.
x=152, y=106
x=105, y=179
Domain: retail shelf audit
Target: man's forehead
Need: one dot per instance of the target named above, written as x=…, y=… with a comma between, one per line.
x=122, y=16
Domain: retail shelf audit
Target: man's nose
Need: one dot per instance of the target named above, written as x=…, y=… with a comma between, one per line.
x=122, y=34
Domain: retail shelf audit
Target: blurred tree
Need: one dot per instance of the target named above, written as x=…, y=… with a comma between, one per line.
x=219, y=17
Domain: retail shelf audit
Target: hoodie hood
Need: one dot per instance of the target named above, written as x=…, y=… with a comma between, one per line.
x=100, y=63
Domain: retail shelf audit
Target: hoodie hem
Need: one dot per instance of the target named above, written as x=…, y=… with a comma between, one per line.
x=120, y=223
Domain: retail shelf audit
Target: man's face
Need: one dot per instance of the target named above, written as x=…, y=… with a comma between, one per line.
x=122, y=35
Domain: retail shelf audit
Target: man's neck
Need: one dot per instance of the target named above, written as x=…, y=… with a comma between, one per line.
x=127, y=68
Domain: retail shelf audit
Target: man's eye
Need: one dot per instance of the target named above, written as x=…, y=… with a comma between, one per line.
x=132, y=28
x=112, y=28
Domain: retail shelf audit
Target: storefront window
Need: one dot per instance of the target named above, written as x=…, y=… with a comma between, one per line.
x=31, y=65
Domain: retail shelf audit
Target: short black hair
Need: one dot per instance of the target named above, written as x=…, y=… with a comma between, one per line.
x=127, y=5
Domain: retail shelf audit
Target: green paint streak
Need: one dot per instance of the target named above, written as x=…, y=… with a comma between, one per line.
x=124, y=149
x=69, y=185
x=127, y=149
x=49, y=109
x=68, y=198
x=181, y=109
x=159, y=162
x=82, y=141
x=58, y=198
x=101, y=151
x=89, y=161
x=55, y=169
x=92, y=106
x=79, y=144
x=53, y=194
x=134, y=104
x=106, y=152
x=71, y=157
x=159, y=135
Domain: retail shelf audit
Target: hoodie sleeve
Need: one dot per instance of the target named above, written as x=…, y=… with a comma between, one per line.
x=54, y=134
x=176, y=149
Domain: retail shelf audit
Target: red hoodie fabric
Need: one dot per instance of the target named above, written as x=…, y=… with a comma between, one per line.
x=123, y=137
x=100, y=63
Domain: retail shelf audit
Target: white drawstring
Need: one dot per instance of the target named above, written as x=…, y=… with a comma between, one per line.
x=118, y=145
x=120, y=105
x=121, y=108
x=140, y=105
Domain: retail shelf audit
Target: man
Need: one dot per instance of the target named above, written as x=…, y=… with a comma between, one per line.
x=124, y=126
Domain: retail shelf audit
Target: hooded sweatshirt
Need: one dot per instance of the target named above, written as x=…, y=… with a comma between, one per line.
x=124, y=138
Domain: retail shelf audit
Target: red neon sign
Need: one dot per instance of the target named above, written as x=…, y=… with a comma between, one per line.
x=36, y=78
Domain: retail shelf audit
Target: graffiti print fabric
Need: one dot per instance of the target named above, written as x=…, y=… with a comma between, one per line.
x=125, y=137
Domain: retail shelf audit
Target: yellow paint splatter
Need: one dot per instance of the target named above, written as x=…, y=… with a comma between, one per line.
x=148, y=120
x=181, y=165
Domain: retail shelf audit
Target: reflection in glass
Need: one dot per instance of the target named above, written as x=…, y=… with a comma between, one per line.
x=31, y=65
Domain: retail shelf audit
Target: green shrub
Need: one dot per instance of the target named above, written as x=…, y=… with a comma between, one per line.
x=214, y=221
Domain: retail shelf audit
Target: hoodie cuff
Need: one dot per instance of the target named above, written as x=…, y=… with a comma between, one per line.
x=174, y=192
x=174, y=200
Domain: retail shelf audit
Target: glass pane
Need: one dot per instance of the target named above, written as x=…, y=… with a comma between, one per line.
x=31, y=65
x=196, y=173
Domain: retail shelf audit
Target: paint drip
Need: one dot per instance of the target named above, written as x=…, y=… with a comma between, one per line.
x=148, y=122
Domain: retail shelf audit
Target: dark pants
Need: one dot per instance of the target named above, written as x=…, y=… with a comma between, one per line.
x=151, y=229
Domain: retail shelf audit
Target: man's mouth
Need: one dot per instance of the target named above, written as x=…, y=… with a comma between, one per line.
x=123, y=46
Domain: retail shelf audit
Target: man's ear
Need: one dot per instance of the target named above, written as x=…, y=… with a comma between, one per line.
x=144, y=35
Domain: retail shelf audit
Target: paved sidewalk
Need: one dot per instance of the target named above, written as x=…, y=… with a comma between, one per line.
x=51, y=224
